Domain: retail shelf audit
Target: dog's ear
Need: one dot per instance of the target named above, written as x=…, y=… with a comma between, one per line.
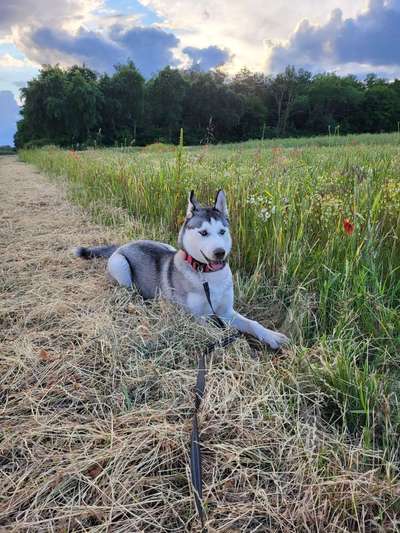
x=220, y=203
x=193, y=205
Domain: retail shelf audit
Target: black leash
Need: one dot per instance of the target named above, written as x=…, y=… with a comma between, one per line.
x=195, y=448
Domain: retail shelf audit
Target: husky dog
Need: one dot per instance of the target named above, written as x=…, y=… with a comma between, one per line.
x=157, y=269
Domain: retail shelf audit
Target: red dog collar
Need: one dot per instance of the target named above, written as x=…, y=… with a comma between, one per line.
x=203, y=267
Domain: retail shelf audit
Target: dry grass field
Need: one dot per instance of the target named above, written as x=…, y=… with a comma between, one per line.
x=97, y=393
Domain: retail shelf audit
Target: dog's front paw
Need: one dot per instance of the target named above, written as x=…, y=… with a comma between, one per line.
x=274, y=339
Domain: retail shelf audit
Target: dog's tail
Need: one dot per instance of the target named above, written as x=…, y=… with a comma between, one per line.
x=95, y=251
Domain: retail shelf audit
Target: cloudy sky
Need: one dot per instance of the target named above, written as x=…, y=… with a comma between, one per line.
x=355, y=36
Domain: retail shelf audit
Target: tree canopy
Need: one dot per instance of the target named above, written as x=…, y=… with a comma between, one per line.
x=77, y=106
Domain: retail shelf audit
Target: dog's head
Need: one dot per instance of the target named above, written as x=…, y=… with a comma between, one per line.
x=205, y=233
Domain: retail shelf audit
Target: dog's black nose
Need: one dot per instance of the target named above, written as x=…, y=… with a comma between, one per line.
x=219, y=253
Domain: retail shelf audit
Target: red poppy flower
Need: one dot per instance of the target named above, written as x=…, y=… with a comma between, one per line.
x=348, y=226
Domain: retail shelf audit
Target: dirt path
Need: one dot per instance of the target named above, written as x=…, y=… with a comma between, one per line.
x=87, y=378
x=41, y=281
x=61, y=338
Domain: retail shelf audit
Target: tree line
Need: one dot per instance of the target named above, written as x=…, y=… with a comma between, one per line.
x=77, y=106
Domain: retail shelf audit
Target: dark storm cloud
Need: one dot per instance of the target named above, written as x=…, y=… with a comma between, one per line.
x=149, y=48
x=372, y=38
x=9, y=114
x=207, y=58
x=88, y=47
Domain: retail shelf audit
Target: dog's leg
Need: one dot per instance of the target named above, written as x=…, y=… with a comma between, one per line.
x=119, y=269
x=245, y=325
x=273, y=338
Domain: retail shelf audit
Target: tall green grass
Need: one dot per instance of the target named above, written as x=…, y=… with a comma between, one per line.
x=340, y=291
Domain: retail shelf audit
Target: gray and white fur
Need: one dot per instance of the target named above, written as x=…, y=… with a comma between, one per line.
x=158, y=269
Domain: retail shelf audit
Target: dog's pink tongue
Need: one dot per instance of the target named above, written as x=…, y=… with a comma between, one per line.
x=216, y=266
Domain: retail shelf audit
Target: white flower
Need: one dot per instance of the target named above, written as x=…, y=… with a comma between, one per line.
x=264, y=214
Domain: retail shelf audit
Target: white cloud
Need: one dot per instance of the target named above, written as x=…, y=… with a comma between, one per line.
x=369, y=40
x=18, y=18
x=15, y=69
x=244, y=27
x=19, y=13
x=8, y=61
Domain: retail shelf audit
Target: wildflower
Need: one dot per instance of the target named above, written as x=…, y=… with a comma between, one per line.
x=264, y=214
x=348, y=226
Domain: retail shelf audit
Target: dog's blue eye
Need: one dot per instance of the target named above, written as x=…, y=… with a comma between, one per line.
x=204, y=233
x=222, y=231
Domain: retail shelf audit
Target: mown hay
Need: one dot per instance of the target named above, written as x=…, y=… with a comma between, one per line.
x=97, y=396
